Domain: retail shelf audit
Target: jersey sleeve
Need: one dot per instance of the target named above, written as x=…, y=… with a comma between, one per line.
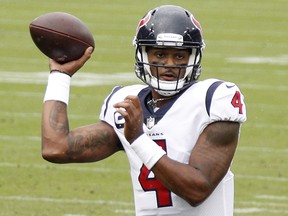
x=226, y=103
x=107, y=110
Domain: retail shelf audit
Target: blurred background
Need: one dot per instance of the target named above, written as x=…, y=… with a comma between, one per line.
x=246, y=43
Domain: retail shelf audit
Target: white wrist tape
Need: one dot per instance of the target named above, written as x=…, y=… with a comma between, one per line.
x=58, y=87
x=147, y=150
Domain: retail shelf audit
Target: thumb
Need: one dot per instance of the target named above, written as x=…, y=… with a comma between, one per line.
x=85, y=57
x=88, y=52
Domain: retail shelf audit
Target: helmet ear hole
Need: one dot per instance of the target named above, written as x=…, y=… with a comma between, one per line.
x=196, y=73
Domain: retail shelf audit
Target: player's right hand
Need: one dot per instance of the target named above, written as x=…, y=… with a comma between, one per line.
x=71, y=67
x=131, y=111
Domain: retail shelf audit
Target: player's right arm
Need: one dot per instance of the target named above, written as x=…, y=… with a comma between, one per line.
x=85, y=144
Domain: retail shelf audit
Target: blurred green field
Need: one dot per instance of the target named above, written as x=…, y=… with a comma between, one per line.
x=247, y=43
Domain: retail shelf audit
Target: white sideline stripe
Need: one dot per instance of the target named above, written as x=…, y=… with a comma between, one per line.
x=264, y=87
x=41, y=95
x=80, y=79
x=240, y=148
x=63, y=167
x=263, y=178
x=262, y=149
x=265, y=204
x=257, y=207
x=74, y=215
x=78, y=201
x=280, y=60
x=86, y=169
x=254, y=210
x=121, y=211
x=270, y=126
x=22, y=94
x=93, y=79
x=247, y=210
x=39, y=114
x=270, y=197
x=117, y=203
x=16, y=138
x=96, y=118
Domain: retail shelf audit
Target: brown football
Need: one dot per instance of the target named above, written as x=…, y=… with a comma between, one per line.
x=61, y=36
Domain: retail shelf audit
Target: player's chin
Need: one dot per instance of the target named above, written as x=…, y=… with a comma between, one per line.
x=168, y=78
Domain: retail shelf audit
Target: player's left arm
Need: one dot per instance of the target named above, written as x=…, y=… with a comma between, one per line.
x=208, y=164
x=213, y=152
x=209, y=160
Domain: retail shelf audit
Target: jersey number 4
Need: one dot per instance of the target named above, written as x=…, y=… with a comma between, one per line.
x=236, y=102
x=150, y=183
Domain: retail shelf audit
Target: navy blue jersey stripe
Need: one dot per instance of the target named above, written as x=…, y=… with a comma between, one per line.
x=209, y=95
x=108, y=99
x=145, y=95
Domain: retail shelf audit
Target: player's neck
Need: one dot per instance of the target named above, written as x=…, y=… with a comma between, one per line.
x=158, y=100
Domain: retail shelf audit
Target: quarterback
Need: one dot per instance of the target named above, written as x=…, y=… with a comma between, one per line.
x=179, y=134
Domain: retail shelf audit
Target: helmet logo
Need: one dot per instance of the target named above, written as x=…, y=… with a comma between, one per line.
x=143, y=21
x=195, y=22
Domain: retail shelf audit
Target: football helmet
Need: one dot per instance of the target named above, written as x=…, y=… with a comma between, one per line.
x=168, y=26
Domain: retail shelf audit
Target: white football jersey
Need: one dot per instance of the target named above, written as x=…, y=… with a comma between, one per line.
x=176, y=127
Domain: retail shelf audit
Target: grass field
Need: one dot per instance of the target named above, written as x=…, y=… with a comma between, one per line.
x=247, y=43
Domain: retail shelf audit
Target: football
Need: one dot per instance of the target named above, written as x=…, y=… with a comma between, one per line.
x=61, y=36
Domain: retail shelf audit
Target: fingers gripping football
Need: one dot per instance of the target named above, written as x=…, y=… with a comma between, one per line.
x=131, y=111
x=71, y=67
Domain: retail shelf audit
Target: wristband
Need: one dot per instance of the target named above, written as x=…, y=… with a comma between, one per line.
x=55, y=70
x=147, y=150
x=58, y=87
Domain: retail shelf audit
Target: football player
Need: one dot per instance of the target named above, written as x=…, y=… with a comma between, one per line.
x=179, y=134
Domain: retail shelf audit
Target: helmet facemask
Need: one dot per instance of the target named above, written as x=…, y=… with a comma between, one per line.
x=159, y=29
x=186, y=73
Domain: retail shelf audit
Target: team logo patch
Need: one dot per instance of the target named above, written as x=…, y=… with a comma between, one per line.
x=143, y=21
x=195, y=22
x=119, y=120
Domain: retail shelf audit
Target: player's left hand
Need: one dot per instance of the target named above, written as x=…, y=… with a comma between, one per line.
x=131, y=111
